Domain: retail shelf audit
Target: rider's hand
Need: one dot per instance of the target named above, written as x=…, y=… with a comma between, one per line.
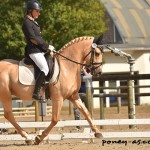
x=84, y=70
x=51, y=48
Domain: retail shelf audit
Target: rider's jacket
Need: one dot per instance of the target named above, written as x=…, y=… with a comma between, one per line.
x=32, y=31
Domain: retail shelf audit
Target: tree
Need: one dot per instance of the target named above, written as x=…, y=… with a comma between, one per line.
x=60, y=21
x=11, y=40
x=65, y=20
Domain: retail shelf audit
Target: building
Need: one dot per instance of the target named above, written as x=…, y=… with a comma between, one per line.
x=129, y=30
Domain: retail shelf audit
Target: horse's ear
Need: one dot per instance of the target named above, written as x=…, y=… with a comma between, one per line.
x=98, y=40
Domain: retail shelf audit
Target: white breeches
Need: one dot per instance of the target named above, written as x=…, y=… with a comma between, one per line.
x=40, y=61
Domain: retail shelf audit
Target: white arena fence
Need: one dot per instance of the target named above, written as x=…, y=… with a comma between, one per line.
x=87, y=134
x=25, y=111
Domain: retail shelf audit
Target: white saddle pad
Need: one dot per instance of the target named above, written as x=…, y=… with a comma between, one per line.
x=26, y=73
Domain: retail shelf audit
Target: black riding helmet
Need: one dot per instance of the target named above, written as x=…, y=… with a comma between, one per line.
x=33, y=4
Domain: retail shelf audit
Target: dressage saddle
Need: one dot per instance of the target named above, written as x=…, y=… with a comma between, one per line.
x=50, y=62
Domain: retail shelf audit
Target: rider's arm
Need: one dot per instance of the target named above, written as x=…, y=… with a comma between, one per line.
x=85, y=71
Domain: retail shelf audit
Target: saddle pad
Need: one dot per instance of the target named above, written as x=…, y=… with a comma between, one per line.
x=26, y=73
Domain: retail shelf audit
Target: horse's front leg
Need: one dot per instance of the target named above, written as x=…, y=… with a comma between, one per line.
x=78, y=103
x=7, y=105
x=56, y=109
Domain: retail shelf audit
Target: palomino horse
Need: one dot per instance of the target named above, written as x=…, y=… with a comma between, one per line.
x=67, y=86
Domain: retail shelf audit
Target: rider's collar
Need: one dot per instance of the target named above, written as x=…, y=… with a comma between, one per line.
x=32, y=19
x=29, y=17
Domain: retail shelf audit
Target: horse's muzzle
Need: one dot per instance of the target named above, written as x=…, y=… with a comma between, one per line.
x=97, y=70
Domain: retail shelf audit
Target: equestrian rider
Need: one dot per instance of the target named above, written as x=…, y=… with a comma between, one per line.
x=36, y=46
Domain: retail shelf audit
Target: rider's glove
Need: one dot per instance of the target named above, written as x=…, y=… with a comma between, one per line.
x=51, y=48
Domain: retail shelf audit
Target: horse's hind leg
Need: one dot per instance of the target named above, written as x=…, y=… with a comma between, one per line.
x=7, y=105
x=78, y=103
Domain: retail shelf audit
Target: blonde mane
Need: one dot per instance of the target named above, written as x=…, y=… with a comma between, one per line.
x=74, y=41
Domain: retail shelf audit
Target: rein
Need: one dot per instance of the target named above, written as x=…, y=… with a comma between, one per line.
x=91, y=59
x=71, y=59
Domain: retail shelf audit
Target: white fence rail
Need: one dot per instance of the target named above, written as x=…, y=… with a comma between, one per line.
x=83, y=135
x=72, y=123
x=25, y=111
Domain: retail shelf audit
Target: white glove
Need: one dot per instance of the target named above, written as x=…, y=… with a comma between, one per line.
x=50, y=47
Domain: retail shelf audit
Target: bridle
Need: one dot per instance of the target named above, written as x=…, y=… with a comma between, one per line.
x=93, y=65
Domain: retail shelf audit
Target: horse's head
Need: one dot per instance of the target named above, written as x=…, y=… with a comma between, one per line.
x=84, y=49
x=96, y=53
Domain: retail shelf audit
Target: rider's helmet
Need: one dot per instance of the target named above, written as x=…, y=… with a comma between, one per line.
x=33, y=4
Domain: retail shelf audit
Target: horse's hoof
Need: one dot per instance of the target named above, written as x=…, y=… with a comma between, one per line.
x=37, y=140
x=29, y=142
x=98, y=135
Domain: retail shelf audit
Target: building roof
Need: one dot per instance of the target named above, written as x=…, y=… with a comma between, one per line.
x=132, y=19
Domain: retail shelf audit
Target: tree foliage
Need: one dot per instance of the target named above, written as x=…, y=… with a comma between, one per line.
x=11, y=38
x=60, y=21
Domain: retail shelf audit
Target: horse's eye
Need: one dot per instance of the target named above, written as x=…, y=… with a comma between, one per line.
x=97, y=54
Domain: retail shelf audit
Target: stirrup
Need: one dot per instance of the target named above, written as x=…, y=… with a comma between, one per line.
x=36, y=97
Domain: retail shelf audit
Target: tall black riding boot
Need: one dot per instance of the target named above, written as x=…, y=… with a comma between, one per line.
x=38, y=84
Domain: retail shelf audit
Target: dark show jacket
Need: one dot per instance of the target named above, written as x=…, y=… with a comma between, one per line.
x=32, y=31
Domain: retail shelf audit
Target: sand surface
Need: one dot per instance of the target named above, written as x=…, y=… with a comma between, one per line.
x=99, y=144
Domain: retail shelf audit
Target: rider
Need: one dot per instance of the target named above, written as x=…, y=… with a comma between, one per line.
x=36, y=46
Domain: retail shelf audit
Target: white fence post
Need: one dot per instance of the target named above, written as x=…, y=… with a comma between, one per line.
x=107, y=92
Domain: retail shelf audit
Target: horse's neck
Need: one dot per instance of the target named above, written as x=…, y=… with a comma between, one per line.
x=76, y=51
x=69, y=65
x=72, y=53
x=69, y=78
x=71, y=60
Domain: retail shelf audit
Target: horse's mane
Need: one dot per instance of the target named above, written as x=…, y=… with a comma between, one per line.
x=75, y=40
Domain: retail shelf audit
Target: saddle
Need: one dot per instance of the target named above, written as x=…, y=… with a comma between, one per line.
x=29, y=71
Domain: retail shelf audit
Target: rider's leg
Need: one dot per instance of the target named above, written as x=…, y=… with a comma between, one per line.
x=40, y=61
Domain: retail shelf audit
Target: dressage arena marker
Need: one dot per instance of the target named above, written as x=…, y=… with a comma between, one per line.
x=87, y=134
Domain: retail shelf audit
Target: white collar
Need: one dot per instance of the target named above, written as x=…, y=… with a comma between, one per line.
x=29, y=17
